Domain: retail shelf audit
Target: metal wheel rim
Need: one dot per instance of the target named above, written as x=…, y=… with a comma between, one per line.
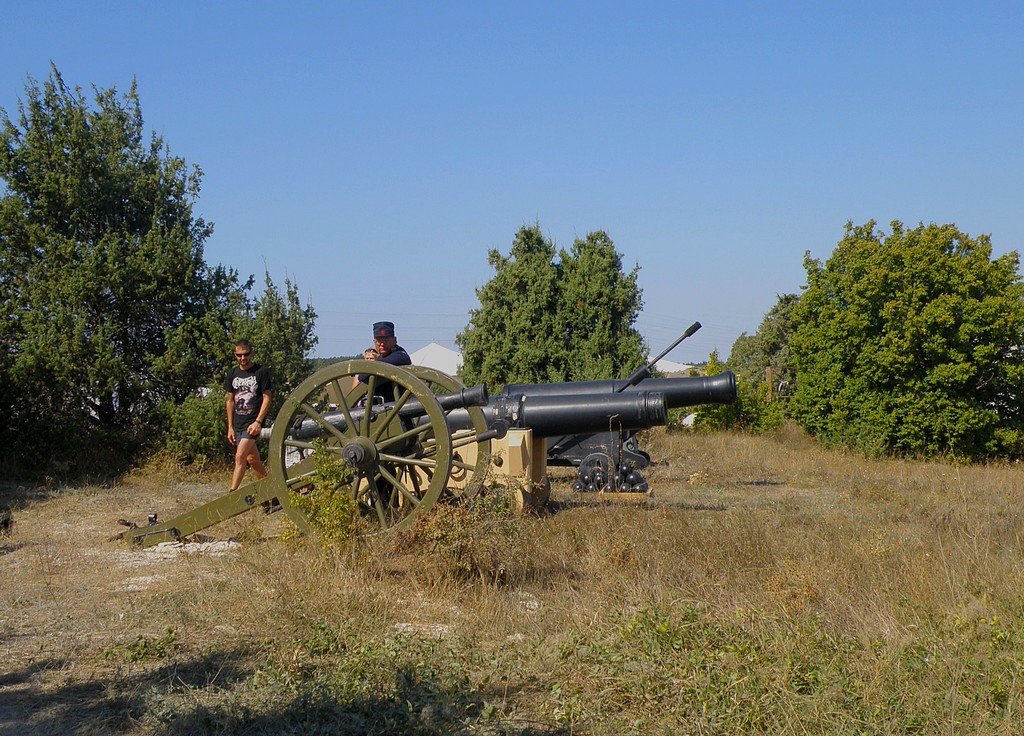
x=436, y=379
x=431, y=445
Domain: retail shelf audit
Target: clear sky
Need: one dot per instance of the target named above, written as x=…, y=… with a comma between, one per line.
x=375, y=151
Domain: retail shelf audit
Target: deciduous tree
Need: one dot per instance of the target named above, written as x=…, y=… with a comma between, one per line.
x=769, y=346
x=911, y=342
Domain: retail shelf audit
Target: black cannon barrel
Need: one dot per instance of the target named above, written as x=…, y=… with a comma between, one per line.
x=552, y=415
x=685, y=391
x=309, y=428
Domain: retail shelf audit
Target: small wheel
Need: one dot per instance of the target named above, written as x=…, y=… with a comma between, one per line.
x=389, y=430
x=470, y=459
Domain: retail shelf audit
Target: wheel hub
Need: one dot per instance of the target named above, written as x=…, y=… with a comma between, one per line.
x=360, y=453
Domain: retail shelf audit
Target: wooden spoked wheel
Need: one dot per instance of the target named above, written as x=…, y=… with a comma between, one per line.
x=389, y=431
x=470, y=457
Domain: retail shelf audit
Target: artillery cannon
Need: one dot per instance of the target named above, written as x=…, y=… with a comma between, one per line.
x=611, y=460
x=427, y=435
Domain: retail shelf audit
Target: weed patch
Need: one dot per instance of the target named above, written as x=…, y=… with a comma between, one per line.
x=146, y=647
x=328, y=502
x=482, y=538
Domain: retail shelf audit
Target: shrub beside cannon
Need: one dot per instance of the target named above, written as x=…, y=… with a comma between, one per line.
x=407, y=436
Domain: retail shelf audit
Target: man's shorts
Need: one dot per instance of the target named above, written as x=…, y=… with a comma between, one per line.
x=239, y=436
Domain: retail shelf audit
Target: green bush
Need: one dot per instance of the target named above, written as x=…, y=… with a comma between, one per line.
x=329, y=504
x=753, y=409
x=910, y=343
x=195, y=431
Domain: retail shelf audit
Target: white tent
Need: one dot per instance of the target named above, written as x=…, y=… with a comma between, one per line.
x=670, y=366
x=439, y=357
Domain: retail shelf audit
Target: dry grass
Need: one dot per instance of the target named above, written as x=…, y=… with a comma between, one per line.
x=769, y=587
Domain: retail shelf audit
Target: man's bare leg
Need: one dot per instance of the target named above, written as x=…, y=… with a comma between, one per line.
x=246, y=455
x=256, y=462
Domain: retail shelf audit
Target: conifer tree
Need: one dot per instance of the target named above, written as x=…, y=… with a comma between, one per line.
x=549, y=315
x=599, y=303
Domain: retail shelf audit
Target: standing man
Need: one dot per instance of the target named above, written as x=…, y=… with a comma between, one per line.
x=389, y=352
x=247, y=389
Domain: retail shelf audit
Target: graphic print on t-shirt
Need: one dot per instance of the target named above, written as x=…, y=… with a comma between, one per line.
x=245, y=395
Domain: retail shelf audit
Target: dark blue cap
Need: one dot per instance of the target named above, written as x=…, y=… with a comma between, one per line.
x=383, y=329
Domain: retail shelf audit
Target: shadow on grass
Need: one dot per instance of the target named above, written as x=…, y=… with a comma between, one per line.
x=6, y=549
x=170, y=700
x=15, y=496
x=415, y=706
x=39, y=698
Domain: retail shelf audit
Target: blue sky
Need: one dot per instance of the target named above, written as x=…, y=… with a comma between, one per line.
x=374, y=152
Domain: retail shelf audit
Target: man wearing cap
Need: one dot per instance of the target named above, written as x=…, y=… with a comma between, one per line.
x=390, y=352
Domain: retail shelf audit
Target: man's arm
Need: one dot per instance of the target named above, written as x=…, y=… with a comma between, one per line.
x=264, y=408
x=229, y=407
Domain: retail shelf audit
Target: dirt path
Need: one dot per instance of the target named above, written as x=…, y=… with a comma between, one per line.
x=71, y=601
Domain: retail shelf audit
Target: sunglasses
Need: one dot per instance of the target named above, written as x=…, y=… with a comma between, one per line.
x=243, y=355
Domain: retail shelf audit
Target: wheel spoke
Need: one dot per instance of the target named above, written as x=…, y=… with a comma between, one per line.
x=371, y=387
x=377, y=505
x=315, y=416
x=355, y=486
x=399, y=460
x=429, y=451
x=299, y=444
x=413, y=498
x=418, y=429
x=459, y=439
x=343, y=404
x=392, y=414
x=463, y=436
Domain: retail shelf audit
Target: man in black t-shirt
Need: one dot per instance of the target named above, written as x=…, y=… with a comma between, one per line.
x=247, y=401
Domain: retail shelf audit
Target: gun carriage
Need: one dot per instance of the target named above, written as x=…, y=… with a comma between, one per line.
x=409, y=436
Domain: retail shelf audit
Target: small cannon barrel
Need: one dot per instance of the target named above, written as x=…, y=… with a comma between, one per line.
x=412, y=409
x=685, y=391
x=552, y=415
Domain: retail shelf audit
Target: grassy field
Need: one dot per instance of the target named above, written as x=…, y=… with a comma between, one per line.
x=769, y=587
